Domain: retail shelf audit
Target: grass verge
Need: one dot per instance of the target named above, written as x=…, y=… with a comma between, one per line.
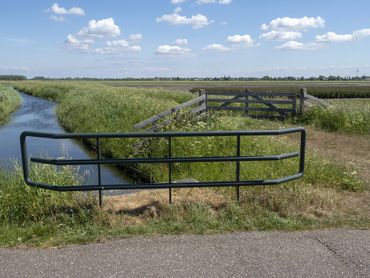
x=9, y=101
x=345, y=116
x=35, y=217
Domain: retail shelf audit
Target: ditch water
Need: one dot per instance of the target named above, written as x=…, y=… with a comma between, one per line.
x=36, y=114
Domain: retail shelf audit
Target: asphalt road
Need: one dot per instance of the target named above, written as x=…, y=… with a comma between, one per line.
x=333, y=253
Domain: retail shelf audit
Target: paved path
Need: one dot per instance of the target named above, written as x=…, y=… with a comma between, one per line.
x=336, y=253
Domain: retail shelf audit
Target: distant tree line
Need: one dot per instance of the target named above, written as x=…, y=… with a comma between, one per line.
x=12, y=77
x=223, y=78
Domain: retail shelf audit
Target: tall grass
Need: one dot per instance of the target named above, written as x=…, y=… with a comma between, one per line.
x=35, y=216
x=9, y=101
x=21, y=204
x=346, y=116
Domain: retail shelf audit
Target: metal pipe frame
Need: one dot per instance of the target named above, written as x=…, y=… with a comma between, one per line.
x=100, y=186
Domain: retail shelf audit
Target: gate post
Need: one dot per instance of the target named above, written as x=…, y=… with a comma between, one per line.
x=302, y=92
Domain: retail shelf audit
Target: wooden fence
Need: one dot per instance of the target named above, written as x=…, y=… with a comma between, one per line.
x=193, y=107
x=254, y=104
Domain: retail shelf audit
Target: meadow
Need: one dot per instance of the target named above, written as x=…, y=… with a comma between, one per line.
x=331, y=194
x=320, y=89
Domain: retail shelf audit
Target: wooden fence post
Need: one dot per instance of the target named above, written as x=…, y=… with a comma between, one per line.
x=202, y=92
x=302, y=92
x=246, y=102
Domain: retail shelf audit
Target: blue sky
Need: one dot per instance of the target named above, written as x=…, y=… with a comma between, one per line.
x=146, y=38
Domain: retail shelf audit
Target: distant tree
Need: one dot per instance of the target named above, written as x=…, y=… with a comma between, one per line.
x=322, y=77
x=266, y=77
x=12, y=77
x=39, y=78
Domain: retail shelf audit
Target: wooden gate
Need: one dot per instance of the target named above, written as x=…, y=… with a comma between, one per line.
x=255, y=104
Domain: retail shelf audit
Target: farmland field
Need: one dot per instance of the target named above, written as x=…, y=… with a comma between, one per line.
x=333, y=193
x=321, y=89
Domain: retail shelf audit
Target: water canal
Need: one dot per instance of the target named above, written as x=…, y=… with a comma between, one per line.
x=37, y=114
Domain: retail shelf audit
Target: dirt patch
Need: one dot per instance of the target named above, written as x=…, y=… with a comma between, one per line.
x=148, y=201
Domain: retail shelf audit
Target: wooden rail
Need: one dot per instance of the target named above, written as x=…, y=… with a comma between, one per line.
x=268, y=104
x=155, y=121
x=254, y=104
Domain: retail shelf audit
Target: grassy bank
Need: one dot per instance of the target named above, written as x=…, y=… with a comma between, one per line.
x=346, y=116
x=37, y=217
x=9, y=101
x=330, y=195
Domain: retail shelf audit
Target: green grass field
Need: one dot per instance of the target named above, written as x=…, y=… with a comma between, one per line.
x=330, y=195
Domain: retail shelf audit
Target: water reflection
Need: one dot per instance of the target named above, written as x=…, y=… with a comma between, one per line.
x=36, y=114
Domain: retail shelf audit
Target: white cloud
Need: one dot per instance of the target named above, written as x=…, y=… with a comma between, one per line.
x=57, y=17
x=177, y=2
x=136, y=37
x=197, y=21
x=118, y=43
x=172, y=50
x=113, y=47
x=100, y=29
x=241, y=40
x=222, y=2
x=358, y=34
x=217, y=47
x=56, y=9
x=76, y=11
x=333, y=37
x=281, y=35
x=181, y=42
x=59, y=13
x=295, y=45
x=293, y=23
x=73, y=43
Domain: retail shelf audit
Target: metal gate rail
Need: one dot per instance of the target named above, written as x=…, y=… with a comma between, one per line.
x=169, y=159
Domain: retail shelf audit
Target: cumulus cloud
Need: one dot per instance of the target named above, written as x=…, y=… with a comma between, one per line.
x=181, y=42
x=217, y=47
x=177, y=2
x=241, y=40
x=196, y=21
x=358, y=34
x=136, y=37
x=333, y=37
x=73, y=43
x=172, y=50
x=103, y=28
x=293, y=23
x=113, y=47
x=281, y=35
x=100, y=29
x=295, y=45
x=59, y=13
